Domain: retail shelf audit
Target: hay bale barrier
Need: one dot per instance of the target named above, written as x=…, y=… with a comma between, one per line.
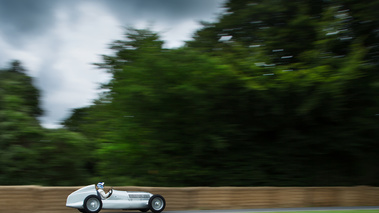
x=38, y=199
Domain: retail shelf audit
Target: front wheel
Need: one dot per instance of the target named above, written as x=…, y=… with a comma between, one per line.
x=157, y=203
x=92, y=204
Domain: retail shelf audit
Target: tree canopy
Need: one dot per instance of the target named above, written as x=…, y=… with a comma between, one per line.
x=274, y=93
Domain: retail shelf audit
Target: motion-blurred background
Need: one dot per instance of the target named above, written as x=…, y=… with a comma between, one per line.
x=265, y=93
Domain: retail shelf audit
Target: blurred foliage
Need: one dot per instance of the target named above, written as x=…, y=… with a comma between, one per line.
x=30, y=154
x=279, y=93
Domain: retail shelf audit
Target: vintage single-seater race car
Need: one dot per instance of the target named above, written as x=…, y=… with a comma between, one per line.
x=88, y=200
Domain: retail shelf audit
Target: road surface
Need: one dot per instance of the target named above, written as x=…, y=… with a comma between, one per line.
x=265, y=210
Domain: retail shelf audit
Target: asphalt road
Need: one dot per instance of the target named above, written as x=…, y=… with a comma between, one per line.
x=265, y=210
x=280, y=210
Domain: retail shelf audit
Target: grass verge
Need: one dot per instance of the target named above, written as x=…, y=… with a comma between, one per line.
x=331, y=211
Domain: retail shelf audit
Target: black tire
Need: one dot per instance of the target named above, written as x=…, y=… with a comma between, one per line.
x=157, y=203
x=92, y=204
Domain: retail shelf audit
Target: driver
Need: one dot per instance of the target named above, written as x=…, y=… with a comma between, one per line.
x=100, y=189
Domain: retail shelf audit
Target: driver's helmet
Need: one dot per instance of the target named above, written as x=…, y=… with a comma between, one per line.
x=100, y=185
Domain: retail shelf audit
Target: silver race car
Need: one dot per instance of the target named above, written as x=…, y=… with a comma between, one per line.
x=89, y=200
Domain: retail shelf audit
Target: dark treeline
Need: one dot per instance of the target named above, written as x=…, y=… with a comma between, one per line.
x=275, y=93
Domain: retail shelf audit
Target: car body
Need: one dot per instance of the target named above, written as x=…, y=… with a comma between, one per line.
x=89, y=200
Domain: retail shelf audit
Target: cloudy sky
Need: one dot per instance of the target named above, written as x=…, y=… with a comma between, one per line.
x=58, y=40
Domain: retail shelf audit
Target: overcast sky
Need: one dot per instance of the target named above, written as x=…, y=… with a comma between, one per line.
x=58, y=40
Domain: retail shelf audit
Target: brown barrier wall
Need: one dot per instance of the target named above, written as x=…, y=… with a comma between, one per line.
x=37, y=199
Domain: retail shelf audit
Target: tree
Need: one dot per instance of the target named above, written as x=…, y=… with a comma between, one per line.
x=166, y=103
x=18, y=126
x=30, y=154
x=322, y=78
x=63, y=158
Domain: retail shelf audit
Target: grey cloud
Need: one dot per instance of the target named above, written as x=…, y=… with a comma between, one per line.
x=173, y=10
x=22, y=18
x=26, y=22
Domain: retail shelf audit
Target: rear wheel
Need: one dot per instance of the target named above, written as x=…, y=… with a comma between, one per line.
x=92, y=204
x=157, y=203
